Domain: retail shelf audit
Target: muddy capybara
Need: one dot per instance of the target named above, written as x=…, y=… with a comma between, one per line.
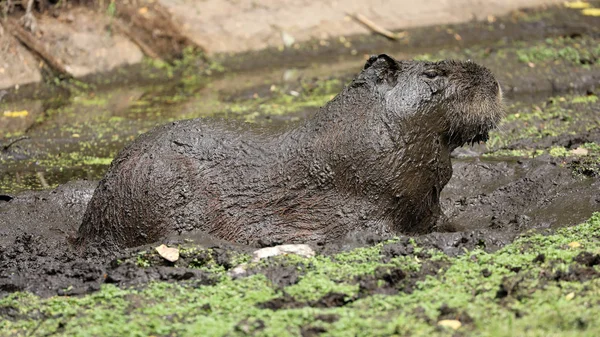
x=374, y=159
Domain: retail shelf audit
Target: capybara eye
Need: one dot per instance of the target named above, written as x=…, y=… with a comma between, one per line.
x=431, y=73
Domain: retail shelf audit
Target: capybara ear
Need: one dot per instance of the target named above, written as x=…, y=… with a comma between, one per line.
x=370, y=61
x=385, y=67
x=384, y=61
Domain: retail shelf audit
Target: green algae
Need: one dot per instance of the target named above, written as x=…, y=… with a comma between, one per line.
x=531, y=124
x=528, y=288
x=580, y=51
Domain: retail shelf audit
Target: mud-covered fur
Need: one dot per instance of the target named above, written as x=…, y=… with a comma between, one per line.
x=373, y=159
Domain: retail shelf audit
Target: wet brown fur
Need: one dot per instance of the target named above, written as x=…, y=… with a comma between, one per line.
x=374, y=159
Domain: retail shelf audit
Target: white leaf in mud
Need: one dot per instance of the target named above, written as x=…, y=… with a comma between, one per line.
x=239, y=270
x=450, y=323
x=580, y=151
x=570, y=296
x=169, y=254
x=302, y=250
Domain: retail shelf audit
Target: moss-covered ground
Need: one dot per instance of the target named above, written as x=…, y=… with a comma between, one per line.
x=540, y=285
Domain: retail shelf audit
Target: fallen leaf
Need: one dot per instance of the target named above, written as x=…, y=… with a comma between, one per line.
x=450, y=323
x=143, y=10
x=169, y=254
x=576, y=4
x=21, y=113
x=580, y=151
x=75, y=135
x=591, y=12
x=574, y=244
x=299, y=249
x=570, y=296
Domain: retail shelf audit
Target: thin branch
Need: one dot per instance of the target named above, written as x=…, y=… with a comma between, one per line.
x=6, y=147
x=372, y=26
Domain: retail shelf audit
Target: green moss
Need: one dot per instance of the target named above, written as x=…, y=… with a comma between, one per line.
x=585, y=99
x=580, y=51
x=560, y=116
x=518, y=294
x=558, y=151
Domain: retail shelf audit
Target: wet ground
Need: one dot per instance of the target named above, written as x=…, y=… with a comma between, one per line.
x=538, y=173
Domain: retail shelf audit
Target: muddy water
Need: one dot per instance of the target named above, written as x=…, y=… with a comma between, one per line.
x=74, y=136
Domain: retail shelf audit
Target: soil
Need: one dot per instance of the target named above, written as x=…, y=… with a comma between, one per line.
x=488, y=203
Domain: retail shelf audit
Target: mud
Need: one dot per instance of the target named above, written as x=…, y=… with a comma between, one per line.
x=487, y=213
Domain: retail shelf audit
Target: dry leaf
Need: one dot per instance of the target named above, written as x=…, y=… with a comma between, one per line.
x=591, y=12
x=450, y=323
x=570, y=296
x=143, y=10
x=574, y=244
x=580, y=151
x=169, y=254
x=577, y=4
x=21, y=113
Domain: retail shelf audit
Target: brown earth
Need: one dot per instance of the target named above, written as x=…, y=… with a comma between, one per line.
x=76, y=40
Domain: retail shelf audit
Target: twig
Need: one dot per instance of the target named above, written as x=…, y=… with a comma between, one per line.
x=6, y=147
x=43, y=181
x=375, y=27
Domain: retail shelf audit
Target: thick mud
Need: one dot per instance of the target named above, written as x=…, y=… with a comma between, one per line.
x=487, y=202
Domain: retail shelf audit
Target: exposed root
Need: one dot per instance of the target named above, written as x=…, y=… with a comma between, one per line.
x=28, y=21
x=34, y=45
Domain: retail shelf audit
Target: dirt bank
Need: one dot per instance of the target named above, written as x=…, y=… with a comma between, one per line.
x=78, y=38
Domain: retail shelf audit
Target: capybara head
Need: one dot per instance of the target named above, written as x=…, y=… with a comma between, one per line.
x=459, y=100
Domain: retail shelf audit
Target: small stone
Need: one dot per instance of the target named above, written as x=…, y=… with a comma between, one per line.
x=169, y=254
x=450, y=323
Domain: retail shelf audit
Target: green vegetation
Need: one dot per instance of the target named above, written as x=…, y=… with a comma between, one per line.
x=540, y=285
x=532, y=125
x=577, y=51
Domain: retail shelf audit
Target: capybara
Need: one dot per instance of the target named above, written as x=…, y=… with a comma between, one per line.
x=373, y=159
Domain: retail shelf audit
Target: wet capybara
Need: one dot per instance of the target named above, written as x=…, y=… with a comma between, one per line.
x=373, y=159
